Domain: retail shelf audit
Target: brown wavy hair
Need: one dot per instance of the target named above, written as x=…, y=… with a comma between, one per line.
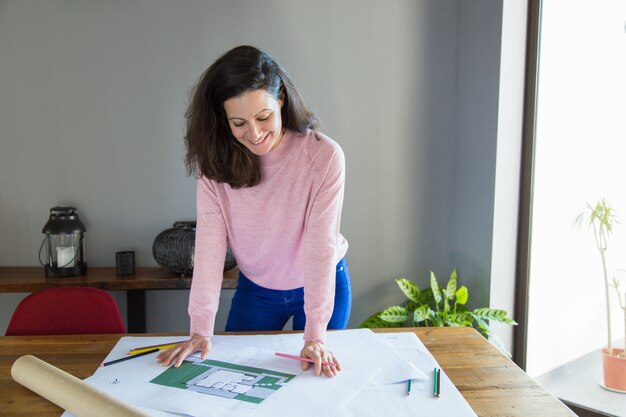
x=212, y=150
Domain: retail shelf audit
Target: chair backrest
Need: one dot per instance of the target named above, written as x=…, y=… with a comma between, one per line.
x=66, y=310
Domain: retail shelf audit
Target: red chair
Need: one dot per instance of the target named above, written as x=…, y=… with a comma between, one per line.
x=66, y=310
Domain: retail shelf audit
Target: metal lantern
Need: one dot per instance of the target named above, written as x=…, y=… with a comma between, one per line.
x=64, y=243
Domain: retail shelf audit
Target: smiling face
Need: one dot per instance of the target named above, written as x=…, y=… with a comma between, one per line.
x=255, y=120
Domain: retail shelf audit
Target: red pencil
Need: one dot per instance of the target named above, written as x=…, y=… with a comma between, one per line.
x=300, y=358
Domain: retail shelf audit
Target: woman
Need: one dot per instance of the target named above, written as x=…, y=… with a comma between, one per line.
x=271, y=188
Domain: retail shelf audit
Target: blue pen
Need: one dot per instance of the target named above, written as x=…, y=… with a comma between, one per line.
x=408, y=390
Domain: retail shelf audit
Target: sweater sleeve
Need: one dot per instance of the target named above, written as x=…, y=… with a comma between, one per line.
x=321, y=244
x=209, y=255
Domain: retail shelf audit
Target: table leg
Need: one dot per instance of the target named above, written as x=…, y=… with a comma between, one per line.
x=136, y=310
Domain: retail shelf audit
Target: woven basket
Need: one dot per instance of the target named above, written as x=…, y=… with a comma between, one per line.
x=173, y=249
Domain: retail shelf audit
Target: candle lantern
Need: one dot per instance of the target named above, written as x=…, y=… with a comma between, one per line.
x=64, y=243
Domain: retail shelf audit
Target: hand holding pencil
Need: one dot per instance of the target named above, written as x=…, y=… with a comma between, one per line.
x=317, y=352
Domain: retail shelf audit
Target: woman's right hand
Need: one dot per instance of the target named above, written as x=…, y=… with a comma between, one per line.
x=178, y=353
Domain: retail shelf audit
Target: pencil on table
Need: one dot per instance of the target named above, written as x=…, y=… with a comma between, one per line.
x=159, y=347
x=129, y=357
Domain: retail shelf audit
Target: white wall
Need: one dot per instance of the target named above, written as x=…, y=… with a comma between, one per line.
x=508, y=163
x=474, y=146
x=92, y=96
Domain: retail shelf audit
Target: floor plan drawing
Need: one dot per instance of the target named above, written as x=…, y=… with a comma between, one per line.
x=223, y=379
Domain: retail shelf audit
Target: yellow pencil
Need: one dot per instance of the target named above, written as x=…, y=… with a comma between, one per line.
x=159, y=347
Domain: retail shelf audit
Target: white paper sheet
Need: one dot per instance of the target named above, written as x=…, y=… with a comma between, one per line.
x=392, y=399
x=357, y=346
x=305, y=395
x=356, y=391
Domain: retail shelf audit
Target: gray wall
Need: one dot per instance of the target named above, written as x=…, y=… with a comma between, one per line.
x=92, y=97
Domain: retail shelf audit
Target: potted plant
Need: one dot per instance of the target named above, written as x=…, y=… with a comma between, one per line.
x=601, y=219
x=437, y=307
x=622, y=304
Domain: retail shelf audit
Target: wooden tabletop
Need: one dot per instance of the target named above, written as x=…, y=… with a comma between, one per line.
x=492, y=384
x=30, y=279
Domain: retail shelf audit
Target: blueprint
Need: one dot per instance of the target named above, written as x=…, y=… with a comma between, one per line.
x=223, y=379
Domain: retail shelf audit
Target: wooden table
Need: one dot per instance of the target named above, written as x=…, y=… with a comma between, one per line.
x=30, y=279
x=491, y=383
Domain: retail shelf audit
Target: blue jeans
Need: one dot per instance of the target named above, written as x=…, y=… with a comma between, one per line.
x=257, y=308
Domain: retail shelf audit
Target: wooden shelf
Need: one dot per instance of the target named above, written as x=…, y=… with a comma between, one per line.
x=30, y=279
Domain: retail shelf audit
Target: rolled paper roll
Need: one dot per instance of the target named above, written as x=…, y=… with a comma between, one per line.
x=67, y=391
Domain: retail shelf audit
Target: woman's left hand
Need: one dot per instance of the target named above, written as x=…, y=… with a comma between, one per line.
x=318, y=352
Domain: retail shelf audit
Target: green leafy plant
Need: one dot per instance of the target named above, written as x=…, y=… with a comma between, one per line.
x=601, y=219
x=437, y=306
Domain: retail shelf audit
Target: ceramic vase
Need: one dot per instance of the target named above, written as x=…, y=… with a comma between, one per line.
x=173, y=249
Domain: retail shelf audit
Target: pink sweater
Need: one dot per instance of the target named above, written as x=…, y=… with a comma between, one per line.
x=284, y=232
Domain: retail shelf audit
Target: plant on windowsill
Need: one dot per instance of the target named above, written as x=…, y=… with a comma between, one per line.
x=601, y=219
x=622, y=305
x=438, y=307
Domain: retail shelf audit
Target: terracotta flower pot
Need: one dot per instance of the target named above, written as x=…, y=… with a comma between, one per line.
x=614, y=369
